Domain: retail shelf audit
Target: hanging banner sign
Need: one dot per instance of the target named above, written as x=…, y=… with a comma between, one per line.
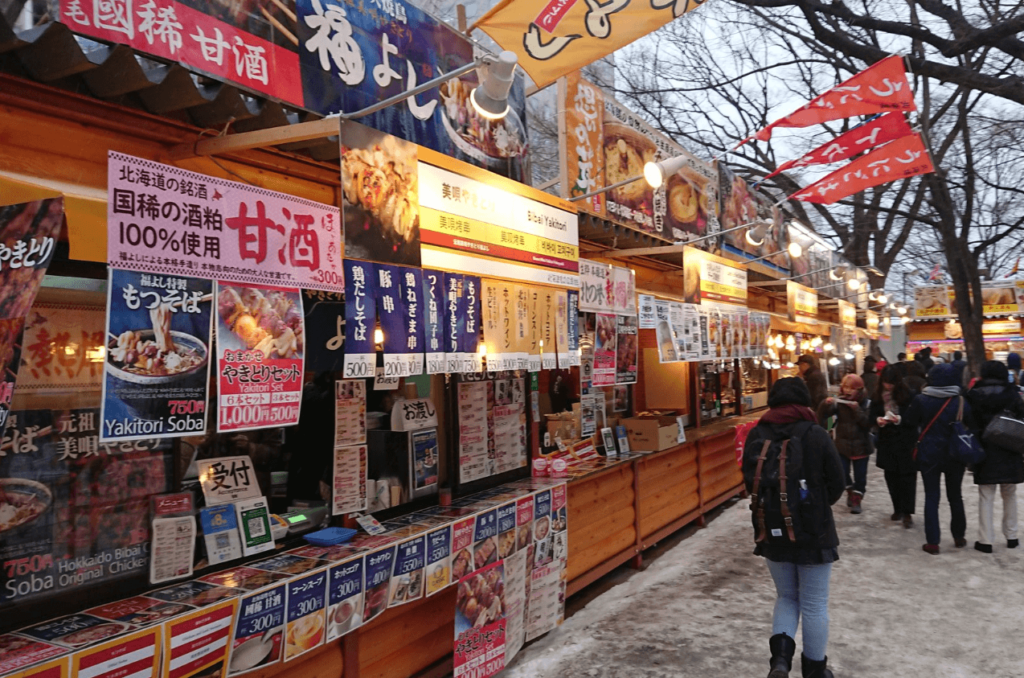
x=257, y=640
x=871, y=324
x=549, y=312
x=523, y=340
x=847, y=314
x=707, y=277
x=471, y=291
x=454, y=321
x=324, y=314
x=491, y=321
x=595, y=287
x=345, y=598
x=573, y=331
x=163, y=219
x=158, y=359
x=562, y=328
x=605, y=335
x=508, y=337
x=647, y=320
x=391, y=310
x=433, y=320
x=360, y=319
x=583, y=153
x=802, y=302
x=536, y=329
x=260, y=349
x=411, y=289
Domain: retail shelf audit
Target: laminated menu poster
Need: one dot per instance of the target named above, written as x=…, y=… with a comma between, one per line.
x=509, y=422
x=139, y=611
x=407, y=573
x=515, y=602
x=605, y=335
x=17, y=652
x=28, y=237
x=485, y=539
x=158, y=356
x=665, y=334
x=130, y=656
x=197, y=644
x=676, y=319
x=424, y=459
x=349, y=480
x=344, y=598
x=306, y=614
x=220, y=533
x=74, y=511
x=195, y=593
x=473, y=430
x=462, y=548
x=260, y=349
x=55, y=668
x=439, y=559
x=691, y=332
x=76, y=630
x=288, y=563
x=626, y=349
x=480, y=623
x=506, y=529
x=257, y=639
x=546, y=602
x=378, y=578
x=173, y=548
x=349, y=412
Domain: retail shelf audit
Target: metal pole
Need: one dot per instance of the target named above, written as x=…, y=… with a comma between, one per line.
x=419, y=89
x=606, y=188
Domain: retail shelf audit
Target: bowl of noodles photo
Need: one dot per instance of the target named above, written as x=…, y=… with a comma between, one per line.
x=161, y=356
x=22, y=501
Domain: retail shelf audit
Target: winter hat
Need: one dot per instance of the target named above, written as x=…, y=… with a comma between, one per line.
x=943, y=375
x=807, y=359
x=993, y=369
x=789, y=391
x=1013, y=361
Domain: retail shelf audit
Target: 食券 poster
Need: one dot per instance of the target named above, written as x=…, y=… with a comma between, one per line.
x=158, y=356
x=260, y=347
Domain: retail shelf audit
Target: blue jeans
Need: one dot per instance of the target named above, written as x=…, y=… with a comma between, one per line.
x=859, y=482
x=802, y=592
x=954, y=472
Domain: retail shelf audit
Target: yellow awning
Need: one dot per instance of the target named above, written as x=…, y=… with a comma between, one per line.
x=85, y=210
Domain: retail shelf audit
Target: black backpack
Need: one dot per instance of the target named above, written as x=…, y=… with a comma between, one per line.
x=786, y=507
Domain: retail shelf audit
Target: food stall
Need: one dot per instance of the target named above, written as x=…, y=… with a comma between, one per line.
x=933, y=322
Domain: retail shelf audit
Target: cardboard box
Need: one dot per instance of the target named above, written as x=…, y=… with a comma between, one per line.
x=651, y=434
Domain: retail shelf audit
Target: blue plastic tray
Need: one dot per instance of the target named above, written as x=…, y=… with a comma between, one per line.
x=330, y=536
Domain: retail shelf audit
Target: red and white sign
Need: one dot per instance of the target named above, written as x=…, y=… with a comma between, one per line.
x=17, y=652
x=878, y=88
x=198, y=641
x=163, y=219
x=133, y=656
x=175, y=31
x=881, y=130
x=901, y=159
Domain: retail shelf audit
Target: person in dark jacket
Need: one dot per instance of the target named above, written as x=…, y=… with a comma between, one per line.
x=814, y=378
x=915, y=376
x=870, y=374
x=801, y=572
x=924, y=356
x=931, y=413
x=896, y=440
x=1002, y=467
x=960, y=365
x=853, y=435
x=1013, y=363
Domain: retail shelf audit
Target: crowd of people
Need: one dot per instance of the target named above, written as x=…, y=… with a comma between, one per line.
x=812, y=447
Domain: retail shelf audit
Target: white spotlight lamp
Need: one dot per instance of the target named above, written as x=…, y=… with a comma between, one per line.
x=490, y=98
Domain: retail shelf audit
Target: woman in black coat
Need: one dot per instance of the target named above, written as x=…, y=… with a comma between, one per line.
x=1003, y=467
x=896, y=439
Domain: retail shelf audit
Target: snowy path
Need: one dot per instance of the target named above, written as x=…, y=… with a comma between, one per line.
x=704, y=607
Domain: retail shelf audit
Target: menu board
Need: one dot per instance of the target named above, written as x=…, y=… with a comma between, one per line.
x=17, y=652
x=439, y=557
x=626, y=349
x=492, y=426
x=173, y=548
x=349, y=412
x=136, y=654
x=605, y=338
x=198, y=643
x=349, y=486
x=84, y=505
x=139, y=611
x=407, y=574
x=378, y=579
x=306, y=614
x=257, y=639
x=707, y=277
x=473, y=406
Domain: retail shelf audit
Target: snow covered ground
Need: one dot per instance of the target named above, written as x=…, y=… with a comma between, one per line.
x=703, y=608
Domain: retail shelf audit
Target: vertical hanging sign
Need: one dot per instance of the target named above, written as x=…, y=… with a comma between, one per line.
x=360, y=319
x=548, y=360
x=491, y=321
x=455, y=321
x=391, y=308
x=562, y=328
x=433, y=326
x=573, y=327
x=412, y=290
x=507, y=336
x=536, y=326
x=471, y=360
x=522, y=312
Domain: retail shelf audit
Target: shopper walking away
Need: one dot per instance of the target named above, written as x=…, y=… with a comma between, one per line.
x=896, y=440
x=794, y=475
x=914, y=376
x=924, y=356
x=1002, y=466
x=853, y=435
x=932, y=413
x=1013, y=363
x=960, y=365
x=870, y=375
x=813, y=377
x=901, y=357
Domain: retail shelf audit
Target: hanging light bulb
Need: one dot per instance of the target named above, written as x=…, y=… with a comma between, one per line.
x=795, y=249
x=378, y=336
x=834, y=361
x=853, y=284
x=790, y=366
x=829, y=347
x=848, y=356
x=481, y=350
x=805, y=345
x=882, y=299
x=776, y=366
x=857, y=347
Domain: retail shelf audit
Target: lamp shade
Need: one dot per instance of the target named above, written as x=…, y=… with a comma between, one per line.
x=490, y=98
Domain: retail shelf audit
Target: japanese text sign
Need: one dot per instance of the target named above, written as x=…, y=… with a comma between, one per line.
x=360, y=319
x=306, y=614
x=228, y=479
x=162, y=219
x=802, y=302
x=198, y=641
x=707, y=277
x=258, y=638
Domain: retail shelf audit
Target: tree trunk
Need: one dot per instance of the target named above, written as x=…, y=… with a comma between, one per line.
x=963, y=271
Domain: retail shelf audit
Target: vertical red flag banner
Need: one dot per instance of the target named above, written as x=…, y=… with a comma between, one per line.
x=881, y=130
x=881, y=87
x=900, y=159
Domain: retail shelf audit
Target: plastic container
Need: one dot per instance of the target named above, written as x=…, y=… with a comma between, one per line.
x=330, y=536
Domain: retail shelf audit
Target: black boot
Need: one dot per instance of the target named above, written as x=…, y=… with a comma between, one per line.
x=783, y=648
x=815, y=669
